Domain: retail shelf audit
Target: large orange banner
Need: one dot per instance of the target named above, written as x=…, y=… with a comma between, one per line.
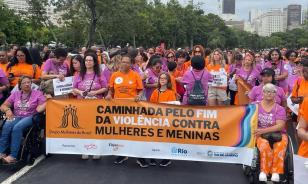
x=73, y=125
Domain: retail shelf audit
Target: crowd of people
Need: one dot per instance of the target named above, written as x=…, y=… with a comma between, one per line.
x=199, y=76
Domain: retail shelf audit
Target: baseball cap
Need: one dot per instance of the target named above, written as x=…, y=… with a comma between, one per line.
x=267, y=71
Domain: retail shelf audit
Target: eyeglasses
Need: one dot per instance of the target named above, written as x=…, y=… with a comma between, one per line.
x=274, y=54
x=157, y=67
x=269, y=92
x=197, y=51
x=258, y=56
x=169, y=57
x=88, y=60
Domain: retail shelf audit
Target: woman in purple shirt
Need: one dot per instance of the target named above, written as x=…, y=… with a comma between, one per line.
x=90, y=84
x=268, y=77
x=281, y=71
x=271, y=119
x=26, y=103
x=248, y=72
x=152, y=73
x=197, y=73
x=56, y=67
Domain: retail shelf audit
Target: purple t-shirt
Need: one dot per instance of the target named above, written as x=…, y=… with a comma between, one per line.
x=25, y=105
x=249, y=76
x=136, y=69
x=52, y=67
x=107, y=74
x=268, y=119
x=234, y=67
x=3, y=80
x=164, y=66
x=256, y=94
x=280, y=69
x=189, y=81
x=85, y=84
x=294, y=75
x=152, y=79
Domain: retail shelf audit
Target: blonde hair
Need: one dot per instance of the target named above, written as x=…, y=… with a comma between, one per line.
x=269, y=87
x=222, y=61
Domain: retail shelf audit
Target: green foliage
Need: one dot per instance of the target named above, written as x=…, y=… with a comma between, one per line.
x=138, y=22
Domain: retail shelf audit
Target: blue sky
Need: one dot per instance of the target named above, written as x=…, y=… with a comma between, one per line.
x=243, y=6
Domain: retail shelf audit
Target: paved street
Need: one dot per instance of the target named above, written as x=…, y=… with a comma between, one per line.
x=71, y=169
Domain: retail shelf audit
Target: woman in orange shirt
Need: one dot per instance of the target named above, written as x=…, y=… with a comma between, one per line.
x=126, y=84
x=22, y=65
x=218, y=68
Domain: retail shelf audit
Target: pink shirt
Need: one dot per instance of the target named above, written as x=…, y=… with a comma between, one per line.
x=189, y=81
x=52, y=67
x=25, y=105
x=268, y=119
x=256, y=94
x=152, y=79
x=85, y=84
x=280, y=69
x=249, y=76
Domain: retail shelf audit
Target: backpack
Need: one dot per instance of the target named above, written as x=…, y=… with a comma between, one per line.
x=197, y=95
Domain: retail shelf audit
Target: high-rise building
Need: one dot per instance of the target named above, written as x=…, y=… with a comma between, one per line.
x=294, y=16
x=271, y=22
x=17, y=5
x=228, y=7
x=254, y=14
x=21, y=5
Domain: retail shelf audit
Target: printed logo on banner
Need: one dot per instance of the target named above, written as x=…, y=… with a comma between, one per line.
x=68, y=145
x=155, y=150
x=70, y=114
x=179, y=151
x=212, y=154
x=90, y=146
x=115, y=147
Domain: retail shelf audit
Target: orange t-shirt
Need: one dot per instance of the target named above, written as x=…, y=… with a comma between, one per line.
x=302, y=90
x=173, y=82
x=24, y=69
x=165, y=96
x=125, y=85
x=179, y=72
x=303, y=149
x=187, y=64
x=4, y=67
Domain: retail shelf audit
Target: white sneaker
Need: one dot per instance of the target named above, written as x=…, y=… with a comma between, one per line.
x=96, y=157
x=275, y=177
x=85, y=157
x=262, y=176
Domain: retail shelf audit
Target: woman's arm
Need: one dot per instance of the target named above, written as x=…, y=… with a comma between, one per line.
x=110, y=93
x=97, y=92
x=41, y=108
x=283, y=76
x=302, y=129
x=280, y=124
x=6, y=108
x=77, y=92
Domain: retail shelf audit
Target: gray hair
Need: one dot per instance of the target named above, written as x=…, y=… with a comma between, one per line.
x=269, y=87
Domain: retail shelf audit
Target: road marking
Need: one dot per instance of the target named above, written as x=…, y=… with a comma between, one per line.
x=22, y=171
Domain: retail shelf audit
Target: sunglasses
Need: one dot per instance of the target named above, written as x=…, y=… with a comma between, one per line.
x=170, y=57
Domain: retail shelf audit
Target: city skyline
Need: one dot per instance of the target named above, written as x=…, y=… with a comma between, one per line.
x=243, y=7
